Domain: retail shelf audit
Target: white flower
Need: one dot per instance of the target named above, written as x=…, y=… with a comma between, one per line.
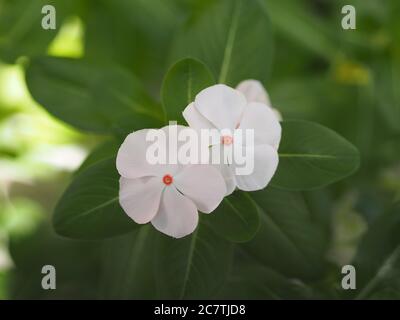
x=224, y=108
x=254, y=91
x=167, y=195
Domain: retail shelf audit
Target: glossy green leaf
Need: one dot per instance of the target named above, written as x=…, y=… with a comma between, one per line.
x=99, y=98
x=193, y=267
x=233, y=37
x=312, y=156
x=290, y=235
x=237, y=218
x=181, y=85
x=89, y=208
x=377, y=261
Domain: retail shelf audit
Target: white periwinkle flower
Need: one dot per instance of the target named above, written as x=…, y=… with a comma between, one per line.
x=254, y=91
x=226, y=109
x=167, y=195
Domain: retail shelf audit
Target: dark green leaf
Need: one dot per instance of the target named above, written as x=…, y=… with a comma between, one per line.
x=193, y=267
x=181, y=85
x=105, y=150
x=252, y=281
x=98, y=99
x=127, y=269
x=237, y=218
x=312, y=156
x=89, y=208
x=233, y=37
x=289, y=236
x=377, y=262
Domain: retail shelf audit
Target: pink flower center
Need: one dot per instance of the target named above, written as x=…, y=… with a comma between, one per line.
x=227, y=140
x=167, y=179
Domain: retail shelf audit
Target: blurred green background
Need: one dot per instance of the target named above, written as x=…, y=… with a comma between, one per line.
x=345, y=80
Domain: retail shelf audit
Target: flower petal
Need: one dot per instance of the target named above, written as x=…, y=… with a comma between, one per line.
x=177, y=215
x=254, y=91
x=140, y=197
x=132, y=159
x=203, y=184
x=265, y=164
x=260, y=117
x=194, y=118
x=219, y=158
x=221, y=105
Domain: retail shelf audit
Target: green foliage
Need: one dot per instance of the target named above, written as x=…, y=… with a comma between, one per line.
x=312, y=156
x=237, y=218
x=21, y=30
x=194, y=267
x=143, y=63
x=378, y=258
x=99, y=99
x=233, y=37
x=181, y=85
x=89, y=208
x=290, y=234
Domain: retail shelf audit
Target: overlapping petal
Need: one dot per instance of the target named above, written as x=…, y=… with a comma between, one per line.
x=177, y=215
x=140, y=197
x=203, y=184
x=265, y=164
x=262, y=120
x=221, y=105
x=254, y=91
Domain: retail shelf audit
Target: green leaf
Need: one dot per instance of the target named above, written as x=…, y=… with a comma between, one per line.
x=377, y=261
x=236, y=219
x=89, y=208
x=312, y=156
x=127, y=269
x=182, y=83
x=98, y=98
x=106, y=150
x=296, y=22
x=290, y=235
x=233, y=37
x=21, y=32
x=250, y=280
x=193, y=267
x=136, y=34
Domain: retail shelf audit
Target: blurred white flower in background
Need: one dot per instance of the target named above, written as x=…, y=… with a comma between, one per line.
x=254, y=91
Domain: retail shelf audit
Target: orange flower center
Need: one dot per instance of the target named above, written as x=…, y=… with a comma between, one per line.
x=167, y=179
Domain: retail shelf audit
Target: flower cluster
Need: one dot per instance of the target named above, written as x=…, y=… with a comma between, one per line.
x=169, y=195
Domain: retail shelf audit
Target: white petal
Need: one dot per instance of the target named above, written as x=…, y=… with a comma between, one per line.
x=203, y=184
x=260, y=117
x=265, y=164
x=277, y=114
x=177, y=216
x=254, y=91
x=132, y=161
x=194, y=119
x=217, y=156
x=140, y=197
x=221, y=105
